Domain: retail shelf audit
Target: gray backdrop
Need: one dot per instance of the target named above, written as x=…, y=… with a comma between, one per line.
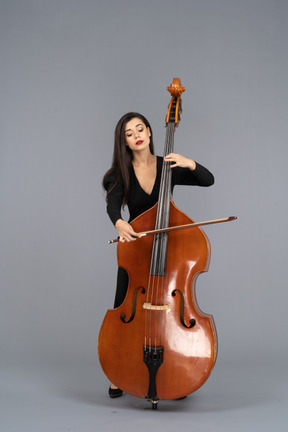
x=70, y=69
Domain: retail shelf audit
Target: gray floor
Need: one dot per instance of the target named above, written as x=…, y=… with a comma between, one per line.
x=237, y=397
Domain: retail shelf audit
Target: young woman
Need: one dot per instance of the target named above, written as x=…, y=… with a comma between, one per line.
x=134, y=181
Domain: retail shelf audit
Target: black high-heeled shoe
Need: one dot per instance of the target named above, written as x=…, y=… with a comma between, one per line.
x=114, y=393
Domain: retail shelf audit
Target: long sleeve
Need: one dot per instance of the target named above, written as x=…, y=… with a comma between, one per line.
x=114, y=198
x=201, y=176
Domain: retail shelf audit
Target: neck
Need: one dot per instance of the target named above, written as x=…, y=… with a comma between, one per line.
x=143, y=158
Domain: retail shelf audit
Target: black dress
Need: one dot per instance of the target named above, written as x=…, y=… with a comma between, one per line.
x=139, y=201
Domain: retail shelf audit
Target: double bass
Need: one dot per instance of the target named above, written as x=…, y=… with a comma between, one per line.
x=158, y=344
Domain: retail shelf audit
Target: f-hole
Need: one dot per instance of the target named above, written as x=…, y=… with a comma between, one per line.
x=192, y=321
x=133, y=310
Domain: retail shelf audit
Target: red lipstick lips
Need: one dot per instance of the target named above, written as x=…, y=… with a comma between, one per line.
x=139, y=142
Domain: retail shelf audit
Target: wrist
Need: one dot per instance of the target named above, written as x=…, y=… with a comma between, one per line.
x=117, y=222
x=192, y=165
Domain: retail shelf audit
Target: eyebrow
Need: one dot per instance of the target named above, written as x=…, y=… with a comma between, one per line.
x=140, y=124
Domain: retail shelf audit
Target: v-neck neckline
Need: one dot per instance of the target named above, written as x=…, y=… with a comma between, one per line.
x=154, y=180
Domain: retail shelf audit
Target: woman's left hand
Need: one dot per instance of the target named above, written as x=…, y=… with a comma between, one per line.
x=181, y=161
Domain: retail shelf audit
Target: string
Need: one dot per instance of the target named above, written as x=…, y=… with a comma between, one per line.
x=159, y=249
x=159, y=321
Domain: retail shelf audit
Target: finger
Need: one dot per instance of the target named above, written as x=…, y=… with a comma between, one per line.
x=129, y=237
x=133, y=233
x=172, y=160
x=173, y=163
x=133, y=237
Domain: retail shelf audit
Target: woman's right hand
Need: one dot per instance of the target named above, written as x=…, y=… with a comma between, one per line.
x=126, y=232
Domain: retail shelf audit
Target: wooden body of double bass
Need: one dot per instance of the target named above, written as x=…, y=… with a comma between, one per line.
x=189, y=350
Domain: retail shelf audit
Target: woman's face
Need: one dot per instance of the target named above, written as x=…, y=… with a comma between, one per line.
x=137, y=135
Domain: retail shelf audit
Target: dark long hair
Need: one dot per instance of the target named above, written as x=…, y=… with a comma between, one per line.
x=122, y=156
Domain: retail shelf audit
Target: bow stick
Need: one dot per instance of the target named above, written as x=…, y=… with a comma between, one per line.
x=178, y=227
